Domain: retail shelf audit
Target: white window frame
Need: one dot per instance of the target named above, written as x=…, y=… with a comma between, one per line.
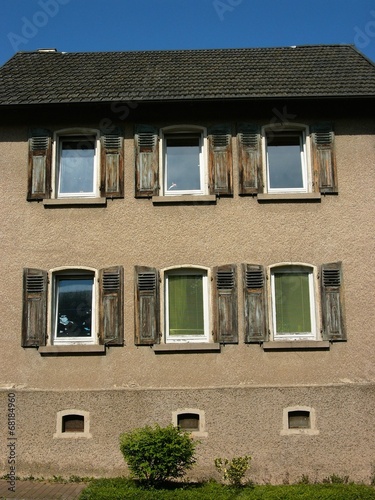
x=203, y=155
x=184, y=270
x=305, y=154
x=59, y=136
x=73, y=272
x=314, y=300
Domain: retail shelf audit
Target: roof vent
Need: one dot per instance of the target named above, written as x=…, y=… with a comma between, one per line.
x=47, y=50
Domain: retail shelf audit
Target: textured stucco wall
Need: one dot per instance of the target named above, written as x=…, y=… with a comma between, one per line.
x=239, y=421
x=133, y=232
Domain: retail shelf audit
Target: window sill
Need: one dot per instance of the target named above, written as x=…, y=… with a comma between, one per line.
x=289, y=197
x=185, y=200
x=68, y=202
x=188, y=347
x=71, y=350
x=299, y=432
x=297, y=345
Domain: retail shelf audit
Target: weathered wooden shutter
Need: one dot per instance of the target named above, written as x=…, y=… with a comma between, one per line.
x=332, y=308
x=34, y=321
x=220, y=160
x=225, y=293
x=324, y=160
x=255, y=303
x=111, y=307
x=112, y=165
x=147, y=161
x=39, y=168
x=146, y=305
x=249, y=147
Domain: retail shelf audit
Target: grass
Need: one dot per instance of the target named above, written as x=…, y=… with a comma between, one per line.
x=124, y=488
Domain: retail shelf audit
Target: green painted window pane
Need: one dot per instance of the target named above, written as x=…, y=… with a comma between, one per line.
x=185, y=305
x=292, y=303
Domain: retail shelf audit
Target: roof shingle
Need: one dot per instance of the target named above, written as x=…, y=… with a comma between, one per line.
x=305, y=71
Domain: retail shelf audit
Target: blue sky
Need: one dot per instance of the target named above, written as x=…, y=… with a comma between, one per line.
x=113, y=25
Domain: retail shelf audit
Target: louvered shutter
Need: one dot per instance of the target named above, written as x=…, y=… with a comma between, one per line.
x=332, y=309
x=324, y=160
x=39, y=168
x=249, y=146
x=111, y=316
x=147, y=161
x=112, y=165
x=225, y=292
x=255, y=303
x=34, y=321
x=146, y=305
x=220, y=160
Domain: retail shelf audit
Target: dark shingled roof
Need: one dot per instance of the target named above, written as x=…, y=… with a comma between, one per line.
x=170, y=75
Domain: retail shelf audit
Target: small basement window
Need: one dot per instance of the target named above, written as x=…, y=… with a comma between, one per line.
x=188, y=421
x=299, y=419
x=73, y=423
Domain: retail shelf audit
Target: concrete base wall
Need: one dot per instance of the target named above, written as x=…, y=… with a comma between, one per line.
x=238, y=421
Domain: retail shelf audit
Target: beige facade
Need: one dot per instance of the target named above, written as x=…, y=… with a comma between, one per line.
x=241, y=391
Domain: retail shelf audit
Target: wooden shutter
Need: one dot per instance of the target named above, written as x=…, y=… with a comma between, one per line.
x=112, y=165
x=111, y=316
x=249, y=145
x=255, y=303
x=324, y=160
x=332, y=309
x=146, y=305
x=34, y=321
x=220, y=160
x=39, y=168
x=225, y=293
x=147, y=161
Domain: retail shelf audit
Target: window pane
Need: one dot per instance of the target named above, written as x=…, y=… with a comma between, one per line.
x=299, y=420
x=74, y=307
x=188, y=421
x=182, y=163
x=73, y=423
x=77, y=166
x=292, y=303
x=185, y=303
x=284, y=161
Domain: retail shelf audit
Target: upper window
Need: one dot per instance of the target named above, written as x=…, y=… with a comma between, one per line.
x=183, y=160
x=74, y=308
x=184, y=165
x=286, y=164
x=77, y=166
x=293, y=302
x=288, y=159
x=186, y=305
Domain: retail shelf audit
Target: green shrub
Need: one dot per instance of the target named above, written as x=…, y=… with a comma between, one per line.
x=157, y=454
x=233, y=470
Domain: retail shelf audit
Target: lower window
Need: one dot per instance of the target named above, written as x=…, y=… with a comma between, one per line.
x=74, y=308
x=293, y=304
x=186, y=304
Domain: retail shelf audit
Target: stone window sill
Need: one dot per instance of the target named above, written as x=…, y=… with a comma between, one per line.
x=297, y=345
x=71, y=350
x=69, y=202
x=185, y=200
x=184, y=348
x=289, y=197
